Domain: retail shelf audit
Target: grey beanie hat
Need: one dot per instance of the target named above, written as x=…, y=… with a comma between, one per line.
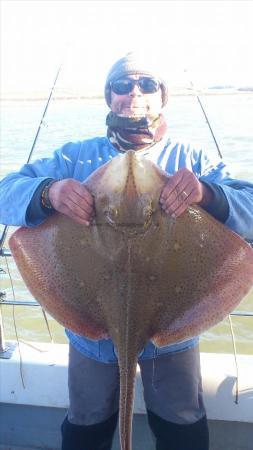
x=132, y=64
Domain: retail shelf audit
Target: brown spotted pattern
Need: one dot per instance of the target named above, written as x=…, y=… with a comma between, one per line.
x=135, y=274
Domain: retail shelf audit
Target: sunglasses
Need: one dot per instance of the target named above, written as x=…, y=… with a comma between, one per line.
x=147, y=85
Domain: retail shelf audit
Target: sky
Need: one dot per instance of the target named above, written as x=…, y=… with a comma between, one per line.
x=207, y=42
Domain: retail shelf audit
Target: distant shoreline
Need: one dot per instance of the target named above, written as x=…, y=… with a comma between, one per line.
x=55, y=97
x=42, y=96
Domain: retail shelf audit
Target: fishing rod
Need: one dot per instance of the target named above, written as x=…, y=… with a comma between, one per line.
x=205, y=115
x=250, y=242
x=4, y=252
x=208, y=123
x=5, y=230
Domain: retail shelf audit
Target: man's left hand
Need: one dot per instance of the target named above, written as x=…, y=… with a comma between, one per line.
x=182, y=190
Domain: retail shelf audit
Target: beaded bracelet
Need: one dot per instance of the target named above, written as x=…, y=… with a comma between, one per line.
x=45, y=201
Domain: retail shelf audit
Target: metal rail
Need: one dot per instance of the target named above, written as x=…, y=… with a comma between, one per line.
x=34, y=303
x=242, y=314
x=5, y=252
x=18, y=303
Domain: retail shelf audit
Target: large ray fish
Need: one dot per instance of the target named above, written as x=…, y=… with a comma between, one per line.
x=136, y=273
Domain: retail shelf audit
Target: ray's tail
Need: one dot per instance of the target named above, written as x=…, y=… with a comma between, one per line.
x=127, y=384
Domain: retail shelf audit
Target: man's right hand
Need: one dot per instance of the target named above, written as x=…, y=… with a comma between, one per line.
x=72, y=198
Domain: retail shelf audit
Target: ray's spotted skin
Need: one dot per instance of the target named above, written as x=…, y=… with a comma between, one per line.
x=181, y=276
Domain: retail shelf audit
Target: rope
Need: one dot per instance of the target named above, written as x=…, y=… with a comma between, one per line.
x=15, y=326
x=236, y=362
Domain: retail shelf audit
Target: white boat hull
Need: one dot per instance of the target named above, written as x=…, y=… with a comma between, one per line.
x=44, y=400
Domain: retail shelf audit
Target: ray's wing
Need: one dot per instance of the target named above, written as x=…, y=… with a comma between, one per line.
x=65, y=270
x=207, y=270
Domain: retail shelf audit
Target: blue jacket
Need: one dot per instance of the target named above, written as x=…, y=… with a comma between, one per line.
x=20, y=203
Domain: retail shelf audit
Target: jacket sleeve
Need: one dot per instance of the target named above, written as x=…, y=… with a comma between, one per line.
x=17, y=189
x=238, y=193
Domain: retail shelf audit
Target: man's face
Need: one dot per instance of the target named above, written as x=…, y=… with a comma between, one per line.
x=136, y=103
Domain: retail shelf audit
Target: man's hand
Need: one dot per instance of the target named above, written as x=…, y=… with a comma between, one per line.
x=181, y=190
x=70, y=197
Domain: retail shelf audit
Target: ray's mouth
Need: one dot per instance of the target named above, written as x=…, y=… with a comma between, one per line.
x=131, y=227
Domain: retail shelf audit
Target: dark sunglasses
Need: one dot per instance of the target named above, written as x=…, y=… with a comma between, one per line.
x=147, y=85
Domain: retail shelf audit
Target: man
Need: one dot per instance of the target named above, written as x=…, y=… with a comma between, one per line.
x=136, y=94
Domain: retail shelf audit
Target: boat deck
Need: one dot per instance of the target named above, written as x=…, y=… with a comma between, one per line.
x=38, y=428
x=31, y=416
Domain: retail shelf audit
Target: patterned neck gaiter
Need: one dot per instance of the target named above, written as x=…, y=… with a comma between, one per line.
x=135, y=133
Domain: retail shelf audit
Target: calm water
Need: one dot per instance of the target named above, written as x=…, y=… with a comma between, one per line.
x=231, y=119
